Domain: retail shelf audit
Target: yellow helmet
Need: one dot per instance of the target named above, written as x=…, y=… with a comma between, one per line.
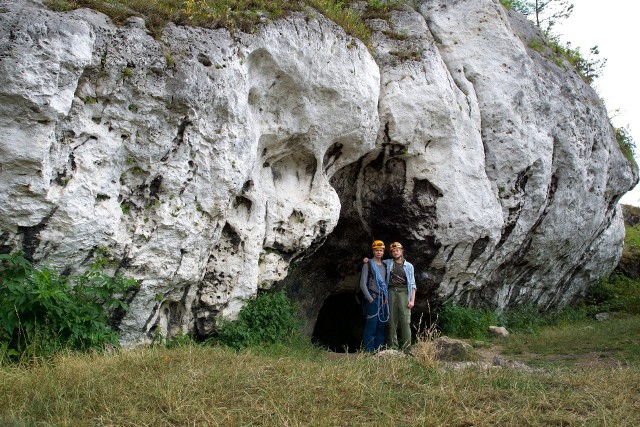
x=395, y=245
x=377, y=244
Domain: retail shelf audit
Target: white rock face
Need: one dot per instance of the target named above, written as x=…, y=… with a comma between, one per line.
x=203, y=163
x=552, y=163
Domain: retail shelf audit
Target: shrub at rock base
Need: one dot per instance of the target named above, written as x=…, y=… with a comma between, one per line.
x=267, y=319
x=42, y=312
x=465, y=322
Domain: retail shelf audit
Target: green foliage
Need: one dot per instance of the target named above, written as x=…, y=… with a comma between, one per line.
x=376, y=4
x=528, y=319
x=632, y=237
x=545, y=13
x=536, y=45
x=518, y=5
x=244, y=15
x=617, y=293
x=465, y=322
x=126, y=72
x=407, y=55
x=348, y=18
x=232, y=14
x=631, y=249
x=43, y=312
x=267, y=319
x=60, y=5
x=589, y=68
x=181, y=341
x=627, y=144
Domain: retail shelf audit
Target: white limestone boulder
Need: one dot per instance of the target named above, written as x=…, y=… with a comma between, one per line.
x=209, y=165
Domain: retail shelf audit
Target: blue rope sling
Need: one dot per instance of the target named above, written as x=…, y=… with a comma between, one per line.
x=383, y=307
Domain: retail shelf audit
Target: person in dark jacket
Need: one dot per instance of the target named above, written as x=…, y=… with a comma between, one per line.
x=373, y=287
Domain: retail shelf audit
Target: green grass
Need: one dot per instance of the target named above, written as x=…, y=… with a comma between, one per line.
x=632, y=238
x=232, y=14
x=244, y=15
x=617, y=339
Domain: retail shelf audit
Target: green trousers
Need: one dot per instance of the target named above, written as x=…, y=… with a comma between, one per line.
x=399, y=316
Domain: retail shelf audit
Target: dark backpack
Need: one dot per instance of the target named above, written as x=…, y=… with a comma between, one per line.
x=359, y=295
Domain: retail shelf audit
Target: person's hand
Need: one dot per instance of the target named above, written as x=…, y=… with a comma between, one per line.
x=370, y=300
x=410, y=305
x=365, y=260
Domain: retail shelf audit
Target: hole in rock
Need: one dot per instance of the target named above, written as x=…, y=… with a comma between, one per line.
x=339, y=324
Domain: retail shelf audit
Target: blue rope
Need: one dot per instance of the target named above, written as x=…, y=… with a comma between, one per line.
x=383, y=300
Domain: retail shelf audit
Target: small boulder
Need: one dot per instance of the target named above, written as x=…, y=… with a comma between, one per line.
x=451, y=349
x=389, y=352
x=499, y=331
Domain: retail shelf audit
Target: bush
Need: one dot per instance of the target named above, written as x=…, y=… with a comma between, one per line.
x=465, y=322
x=627, y=145
x=518, y=5
x=267, y=319
x=615, y=293
x=524, y=319
x=43, y=312
x=528, y=319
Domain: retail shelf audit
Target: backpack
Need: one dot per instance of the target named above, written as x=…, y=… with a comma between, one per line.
x=359, y=295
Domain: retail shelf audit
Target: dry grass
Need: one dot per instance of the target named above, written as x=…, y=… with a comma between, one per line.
x=244, y=15
x=213, y=386
x=424, y=350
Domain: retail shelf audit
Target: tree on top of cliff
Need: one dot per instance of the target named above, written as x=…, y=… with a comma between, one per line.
x=545, y=13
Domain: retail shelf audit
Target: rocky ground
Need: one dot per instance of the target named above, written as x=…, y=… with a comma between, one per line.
x=464, y=354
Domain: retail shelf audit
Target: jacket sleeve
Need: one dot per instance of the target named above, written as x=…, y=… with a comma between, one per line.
x=412, y=279
x=364, y=277
x=388, y=263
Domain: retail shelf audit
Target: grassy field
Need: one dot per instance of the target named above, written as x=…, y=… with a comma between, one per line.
x=300, y=385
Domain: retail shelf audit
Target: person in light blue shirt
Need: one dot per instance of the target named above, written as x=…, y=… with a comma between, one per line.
x=401, y=282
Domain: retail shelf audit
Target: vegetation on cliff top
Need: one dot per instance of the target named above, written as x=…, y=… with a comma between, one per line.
x=244, y=15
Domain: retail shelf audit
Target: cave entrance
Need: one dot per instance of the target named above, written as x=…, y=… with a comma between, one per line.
x=339, y=324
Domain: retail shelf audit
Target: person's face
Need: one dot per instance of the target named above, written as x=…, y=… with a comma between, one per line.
x=396, y=253
x=378, y=252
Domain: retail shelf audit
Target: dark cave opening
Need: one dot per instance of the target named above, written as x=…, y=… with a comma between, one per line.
x=339, y=324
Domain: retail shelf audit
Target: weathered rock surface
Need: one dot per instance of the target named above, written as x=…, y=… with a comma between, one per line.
x=211, y=165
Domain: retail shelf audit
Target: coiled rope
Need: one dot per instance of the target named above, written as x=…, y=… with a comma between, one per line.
x=383, y=306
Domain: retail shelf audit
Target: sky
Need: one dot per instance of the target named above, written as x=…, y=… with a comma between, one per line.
x=613, y=26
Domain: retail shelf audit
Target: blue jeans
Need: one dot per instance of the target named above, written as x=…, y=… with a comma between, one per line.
x=373, y=335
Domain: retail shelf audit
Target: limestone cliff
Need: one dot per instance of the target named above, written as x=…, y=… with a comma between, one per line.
x=210, y=165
